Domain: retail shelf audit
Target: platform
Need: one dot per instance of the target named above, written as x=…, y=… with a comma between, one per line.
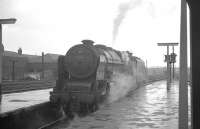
x=148, y=107
x=16, y=101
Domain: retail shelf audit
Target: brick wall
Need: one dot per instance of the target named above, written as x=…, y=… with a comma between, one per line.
x=14, y=67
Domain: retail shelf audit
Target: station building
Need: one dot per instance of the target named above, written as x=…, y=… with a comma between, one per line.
x=19, y=66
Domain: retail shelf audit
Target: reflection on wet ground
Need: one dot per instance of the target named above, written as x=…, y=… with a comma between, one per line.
x=149, y=107
x=13, y=101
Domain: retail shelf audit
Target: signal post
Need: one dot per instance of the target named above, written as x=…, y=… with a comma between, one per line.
x=169, y=59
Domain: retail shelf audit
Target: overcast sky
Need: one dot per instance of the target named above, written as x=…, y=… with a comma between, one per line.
x=53, y=26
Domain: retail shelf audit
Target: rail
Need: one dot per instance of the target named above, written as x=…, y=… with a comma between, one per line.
x=53, y=123
x=20, y=86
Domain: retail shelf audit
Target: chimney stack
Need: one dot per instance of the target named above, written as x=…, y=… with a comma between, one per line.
x=20, y=51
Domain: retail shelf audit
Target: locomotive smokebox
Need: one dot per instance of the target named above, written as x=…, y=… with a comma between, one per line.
x=82, y=60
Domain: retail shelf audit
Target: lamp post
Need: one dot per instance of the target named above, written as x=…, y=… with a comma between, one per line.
x=3, y=21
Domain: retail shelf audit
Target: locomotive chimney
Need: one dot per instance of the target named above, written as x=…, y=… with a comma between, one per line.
x=130, y=53
x=88, y=42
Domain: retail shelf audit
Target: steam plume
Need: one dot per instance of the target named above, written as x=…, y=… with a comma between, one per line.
x=123, y=9
x=121, y=86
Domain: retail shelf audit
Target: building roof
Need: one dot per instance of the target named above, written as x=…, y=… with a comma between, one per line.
x=51, y=57
x=48, y=58
x=10, y=53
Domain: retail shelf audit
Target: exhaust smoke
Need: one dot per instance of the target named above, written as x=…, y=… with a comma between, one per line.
x=122, y=12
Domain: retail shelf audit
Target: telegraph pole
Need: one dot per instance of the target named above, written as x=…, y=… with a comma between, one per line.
x=169, y=59
x=13, y=69
x=146, y=67
x=173, y=64
x=42, y=65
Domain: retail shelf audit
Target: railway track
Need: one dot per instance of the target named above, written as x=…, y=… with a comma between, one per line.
x=21, y=86
x=53, y=123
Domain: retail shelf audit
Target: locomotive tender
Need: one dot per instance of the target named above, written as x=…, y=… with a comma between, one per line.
x=85, y=73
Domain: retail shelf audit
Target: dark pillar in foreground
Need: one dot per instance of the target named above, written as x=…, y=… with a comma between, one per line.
x=195, y=60
x=1, y=45
x=183, y=87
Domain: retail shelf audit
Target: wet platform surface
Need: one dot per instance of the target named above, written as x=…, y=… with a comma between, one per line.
x=14, y=101
x=148, y=107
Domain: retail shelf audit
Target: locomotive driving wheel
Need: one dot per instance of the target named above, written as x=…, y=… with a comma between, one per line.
x=93, y=107
x=84, y=109
x=107, y=89
x=68, y=112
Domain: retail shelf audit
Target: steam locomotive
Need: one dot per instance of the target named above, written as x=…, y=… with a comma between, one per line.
x=85, y=74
